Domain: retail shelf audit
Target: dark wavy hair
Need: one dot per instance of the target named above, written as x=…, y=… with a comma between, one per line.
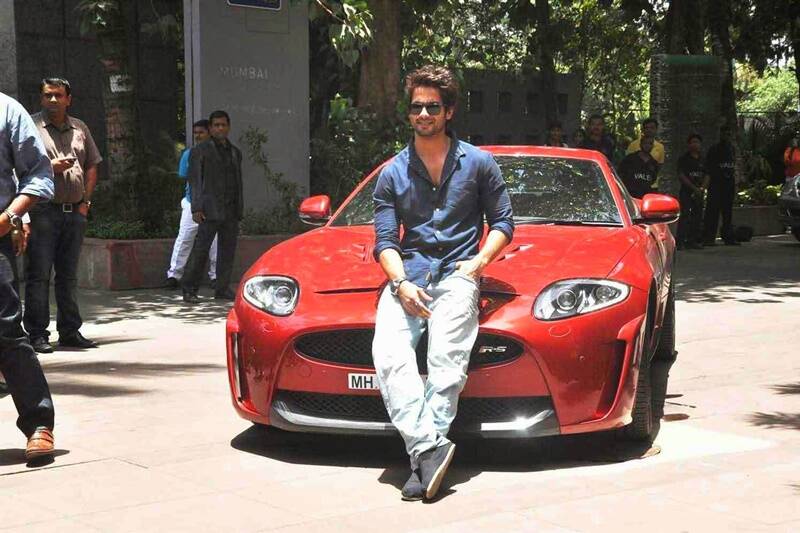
x=437, y=77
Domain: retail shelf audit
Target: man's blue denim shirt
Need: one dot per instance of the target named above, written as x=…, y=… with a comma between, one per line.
x=442, y=224
x=22, y=153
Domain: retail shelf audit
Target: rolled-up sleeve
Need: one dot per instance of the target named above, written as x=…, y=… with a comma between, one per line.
x=387, y=224
x=31, y=164
x=495, y=201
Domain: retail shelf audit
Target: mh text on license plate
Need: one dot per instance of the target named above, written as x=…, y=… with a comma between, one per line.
x=362, y=381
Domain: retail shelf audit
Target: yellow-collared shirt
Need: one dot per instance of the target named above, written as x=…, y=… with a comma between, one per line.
x=657, y=152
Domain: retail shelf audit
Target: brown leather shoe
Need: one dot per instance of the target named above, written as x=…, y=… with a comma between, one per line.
x=41, y=443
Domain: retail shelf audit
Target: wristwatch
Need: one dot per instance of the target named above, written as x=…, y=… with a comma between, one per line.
x=14, y=219
x=394, y=285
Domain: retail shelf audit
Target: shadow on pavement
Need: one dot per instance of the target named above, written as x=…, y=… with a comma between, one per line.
x=760, y=271
x=789, y=388
x=69, y=378
x=473, y=456
x=132, y=305
x=101, y=341
x=16, y=456
x=777, y=419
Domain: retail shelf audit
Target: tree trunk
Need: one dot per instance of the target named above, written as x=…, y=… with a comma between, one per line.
x=719, y=21
x=547, y=69
x=684, y=27
x=379, y=83
x=119, y=105
x=674, y=40
x=119, y=96
x=694, y=18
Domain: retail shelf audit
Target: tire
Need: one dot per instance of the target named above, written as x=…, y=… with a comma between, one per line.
x=643, y=427
x=796, y=232
x=666, y=342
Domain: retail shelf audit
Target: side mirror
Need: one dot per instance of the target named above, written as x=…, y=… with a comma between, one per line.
x=315, y=210
x=659, y=209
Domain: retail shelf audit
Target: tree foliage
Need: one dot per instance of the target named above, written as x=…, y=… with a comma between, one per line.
x=774, y=90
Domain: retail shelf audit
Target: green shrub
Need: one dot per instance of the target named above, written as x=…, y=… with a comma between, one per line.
x=141, y=206
x=282, y=217
x=759, y=193
x=352, y=145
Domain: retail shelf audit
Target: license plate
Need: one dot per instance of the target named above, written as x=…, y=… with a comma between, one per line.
x=362, y=381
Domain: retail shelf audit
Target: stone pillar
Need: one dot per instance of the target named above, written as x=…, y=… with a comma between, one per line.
x=8, y=44
x=252, y=63
x=684, y=98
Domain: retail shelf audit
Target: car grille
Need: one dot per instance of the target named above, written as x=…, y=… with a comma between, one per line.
x=354, y=347
x=371, y=408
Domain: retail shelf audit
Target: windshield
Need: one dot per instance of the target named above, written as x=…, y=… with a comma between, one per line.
x=543, y=190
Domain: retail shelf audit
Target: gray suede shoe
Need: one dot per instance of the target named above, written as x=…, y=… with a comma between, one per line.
x=432, y=467
x=413, y=491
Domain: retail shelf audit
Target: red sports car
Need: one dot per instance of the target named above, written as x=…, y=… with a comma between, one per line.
x=572, y=312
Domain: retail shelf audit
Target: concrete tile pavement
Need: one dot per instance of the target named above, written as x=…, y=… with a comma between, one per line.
x=149, y=441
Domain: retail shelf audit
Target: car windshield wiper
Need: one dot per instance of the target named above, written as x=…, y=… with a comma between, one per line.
x=550, y=222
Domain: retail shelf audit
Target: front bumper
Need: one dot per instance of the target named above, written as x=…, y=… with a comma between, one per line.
x=581, y=371
x=306, y=412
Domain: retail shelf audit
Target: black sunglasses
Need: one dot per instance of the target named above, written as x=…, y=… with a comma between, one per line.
x=434, y=108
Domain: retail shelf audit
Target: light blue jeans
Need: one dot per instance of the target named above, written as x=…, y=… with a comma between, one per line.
x=422, y=411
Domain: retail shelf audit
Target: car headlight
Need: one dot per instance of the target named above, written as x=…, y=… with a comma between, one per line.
x=791, y=187
x=572, y=297
x=277, y=295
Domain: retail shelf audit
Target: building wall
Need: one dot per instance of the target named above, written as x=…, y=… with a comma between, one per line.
x=8, y=44
x=502, y=108
x=253, y=63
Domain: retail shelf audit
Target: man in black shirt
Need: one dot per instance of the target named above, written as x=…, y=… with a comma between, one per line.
x=720, y=165
x=639, y=171
x=215, y=175
x=597, y=139
x=694, y=181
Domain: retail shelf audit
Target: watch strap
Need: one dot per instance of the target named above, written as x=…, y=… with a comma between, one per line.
x=395, y=285
x=13, y=219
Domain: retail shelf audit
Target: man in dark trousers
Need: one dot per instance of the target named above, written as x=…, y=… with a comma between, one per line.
x=694, y=181
x=721, y=166
x=639, y=170
x=215, y=176
x=439, y=189
x=21, y=153
x=57, y=227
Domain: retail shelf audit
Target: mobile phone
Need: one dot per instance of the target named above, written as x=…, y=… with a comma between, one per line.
x=70, y=159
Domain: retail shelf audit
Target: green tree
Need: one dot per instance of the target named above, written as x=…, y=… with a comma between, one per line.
x=111, y=21
x=136, y=192
x=773, y=92
x=768, y=33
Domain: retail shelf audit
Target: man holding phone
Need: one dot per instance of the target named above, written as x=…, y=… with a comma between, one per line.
x=57, y=228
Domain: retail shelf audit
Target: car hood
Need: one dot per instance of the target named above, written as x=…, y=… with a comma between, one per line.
x=339, y=259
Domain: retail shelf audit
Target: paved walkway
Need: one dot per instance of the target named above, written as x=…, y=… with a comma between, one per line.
x=148, y=440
